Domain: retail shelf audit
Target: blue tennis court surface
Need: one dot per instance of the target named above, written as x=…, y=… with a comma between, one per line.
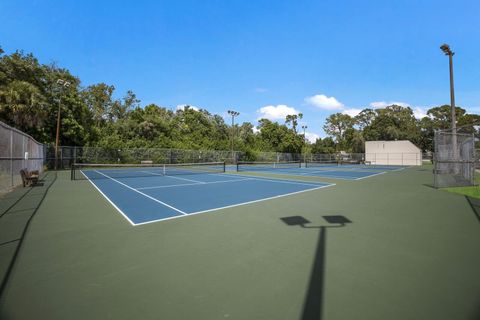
x=344, y=172
x=153, y=197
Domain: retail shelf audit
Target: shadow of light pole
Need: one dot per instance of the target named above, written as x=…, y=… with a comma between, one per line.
x=313, y=305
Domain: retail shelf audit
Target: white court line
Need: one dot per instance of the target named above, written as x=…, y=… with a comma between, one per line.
x=372, y=175
x=170, y=186
x=108, y=199
x=185, y=179
x=283, y=180
x=143, y=194
x=311, y=184
x=344, y=178
x=238, y=204
x=178, y=178
x=192, y=184
x=308, y=183
x=331, y=176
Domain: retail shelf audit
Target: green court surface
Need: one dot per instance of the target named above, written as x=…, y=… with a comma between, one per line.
x=409, y=252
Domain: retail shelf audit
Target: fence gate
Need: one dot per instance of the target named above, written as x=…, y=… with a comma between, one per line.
x=454, y=159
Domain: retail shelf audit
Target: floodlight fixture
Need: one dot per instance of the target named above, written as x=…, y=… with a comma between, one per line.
x=446, y=49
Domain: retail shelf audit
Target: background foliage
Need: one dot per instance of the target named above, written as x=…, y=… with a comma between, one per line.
x=91, y=116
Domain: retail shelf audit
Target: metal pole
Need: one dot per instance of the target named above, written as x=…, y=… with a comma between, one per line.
x=233, y=133
x=233, y=114
x=452, y=94
x=472, y=170
x=64, y=84
x=304, y=127
x=446, y=49
x=11, y=158
x=75, y=154
x=58, y=134
x=452, y=104
x=434, y=159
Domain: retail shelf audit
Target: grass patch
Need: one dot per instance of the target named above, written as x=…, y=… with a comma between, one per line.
x=473, y=191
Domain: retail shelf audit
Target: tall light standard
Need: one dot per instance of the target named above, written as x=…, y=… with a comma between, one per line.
x=304, y=127
x=304, y=137
x=63, y=84
x=233, y=114
x=448, y=52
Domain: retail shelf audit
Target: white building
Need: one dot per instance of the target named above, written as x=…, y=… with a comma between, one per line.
x=403, y=153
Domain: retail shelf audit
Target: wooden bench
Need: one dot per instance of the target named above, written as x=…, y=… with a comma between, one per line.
x=29, y=177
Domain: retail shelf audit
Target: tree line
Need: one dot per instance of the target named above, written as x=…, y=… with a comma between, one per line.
x=92, y=116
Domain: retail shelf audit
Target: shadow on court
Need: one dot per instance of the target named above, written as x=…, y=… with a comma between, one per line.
x=313, y=305
x=15, y=216
x=475, y=205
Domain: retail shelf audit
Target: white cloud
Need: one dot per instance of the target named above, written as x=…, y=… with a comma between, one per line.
x=182, y=107
x=473, y=110
x=352, y=112
x=261, y=90
x=321, y=101
x=278, y=112
x=384, y=104
x=255, y=130
x=312, y=137
x=419, y=113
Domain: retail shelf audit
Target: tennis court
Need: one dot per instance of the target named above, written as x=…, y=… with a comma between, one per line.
x=331, y=170
x=145, y=194
x=357, y=250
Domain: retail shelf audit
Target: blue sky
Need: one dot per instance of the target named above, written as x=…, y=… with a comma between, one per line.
x=261, y=58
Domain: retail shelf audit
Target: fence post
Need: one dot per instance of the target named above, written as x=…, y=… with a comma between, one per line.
x=11, y=158
x=24, y=147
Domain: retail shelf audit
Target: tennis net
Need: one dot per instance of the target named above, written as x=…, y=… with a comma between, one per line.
x=325, y=163
x=81, y=171
x=262, y=166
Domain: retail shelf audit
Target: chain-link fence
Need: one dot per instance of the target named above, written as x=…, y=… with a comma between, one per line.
x=477, y=158
x=454, y=159
x=17, y=151
x=69, y=155
x=393, y=159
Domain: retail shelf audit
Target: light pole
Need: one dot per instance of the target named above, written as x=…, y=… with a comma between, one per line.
x=448, y=52
x=304, y=127
x=233, y=114
x=63, y=84
x=304, y=137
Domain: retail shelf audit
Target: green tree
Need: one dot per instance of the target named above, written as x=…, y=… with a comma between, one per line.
x=326, y=145
x=337, y=125
x=393, y=123
x=98, y=98
x=23, y=105
x=293, y=120
x=365, y=118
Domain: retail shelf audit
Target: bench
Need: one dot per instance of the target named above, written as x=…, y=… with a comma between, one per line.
x=29, y=177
